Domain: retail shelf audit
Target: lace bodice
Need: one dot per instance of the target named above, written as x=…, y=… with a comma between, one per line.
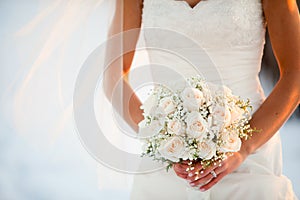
x=212, y=23
x=227, y=42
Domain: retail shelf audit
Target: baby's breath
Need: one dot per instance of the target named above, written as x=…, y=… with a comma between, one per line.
x=213, y=132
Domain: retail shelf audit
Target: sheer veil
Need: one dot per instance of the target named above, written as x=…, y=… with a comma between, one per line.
x=59, y=85
x=66, y=52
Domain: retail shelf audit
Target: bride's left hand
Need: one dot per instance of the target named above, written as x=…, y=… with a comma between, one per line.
x=205, y=178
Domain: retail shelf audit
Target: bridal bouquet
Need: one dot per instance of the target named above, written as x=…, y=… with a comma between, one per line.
x=202, y=122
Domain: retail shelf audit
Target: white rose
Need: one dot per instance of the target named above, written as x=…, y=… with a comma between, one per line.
x=192, y=98
x=175, y=127
x=150, y=102
x=230, y=142
x=159, y=113
x=236, y=114
x=219, y=90
x=213, y=129
x=187, y=154
x=172, y=148
x=147, y=130
x=207, y=149
x=176, y=85
x=226, y=90
x=167, y=104
x=221, y=116
x=196, y=125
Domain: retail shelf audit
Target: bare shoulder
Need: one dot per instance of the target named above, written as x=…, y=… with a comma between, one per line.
x=134, y=4
x=133, y=8
x=275, y=5
x=284, y=29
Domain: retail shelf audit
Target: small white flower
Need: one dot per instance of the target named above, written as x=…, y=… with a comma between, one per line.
x=172, y=148
x=192, y=98
x=176, y=85
x=167, y=104
x=175, y=126
x=219, y=90
x=147, y=130
x=230, y=142
x=196, y=125
x=207, y=149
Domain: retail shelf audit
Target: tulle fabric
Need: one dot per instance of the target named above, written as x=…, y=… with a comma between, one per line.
x=58, y=49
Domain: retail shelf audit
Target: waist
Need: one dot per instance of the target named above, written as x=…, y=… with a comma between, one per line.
x=235, y=69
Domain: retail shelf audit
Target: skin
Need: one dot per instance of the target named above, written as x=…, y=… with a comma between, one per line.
x=283, y=23
x=131, y=12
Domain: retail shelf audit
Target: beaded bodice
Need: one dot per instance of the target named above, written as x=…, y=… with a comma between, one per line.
x=212, y=23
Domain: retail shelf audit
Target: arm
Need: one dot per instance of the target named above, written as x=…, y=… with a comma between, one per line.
x=284, y=28
x=127, y=17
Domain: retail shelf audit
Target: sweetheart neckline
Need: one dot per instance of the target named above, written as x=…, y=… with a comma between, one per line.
x=189, y=6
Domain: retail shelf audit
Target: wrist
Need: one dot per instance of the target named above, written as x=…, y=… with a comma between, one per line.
x=245, y=151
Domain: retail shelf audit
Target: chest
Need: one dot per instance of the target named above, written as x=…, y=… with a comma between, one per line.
x=231, y=21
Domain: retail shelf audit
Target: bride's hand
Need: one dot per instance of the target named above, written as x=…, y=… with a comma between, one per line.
x=181, y=169
x=206, y=178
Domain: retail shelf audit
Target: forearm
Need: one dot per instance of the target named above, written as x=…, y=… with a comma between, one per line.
x=283, y=23
x=125, y=28
x=274, y=112
x=131, y=106
x=124, y=100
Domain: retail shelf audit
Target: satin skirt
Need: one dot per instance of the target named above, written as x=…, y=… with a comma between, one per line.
x=259, y=177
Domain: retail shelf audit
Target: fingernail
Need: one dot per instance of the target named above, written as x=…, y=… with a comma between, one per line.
x=190, y=174
x=192, y=184
x=202, y=190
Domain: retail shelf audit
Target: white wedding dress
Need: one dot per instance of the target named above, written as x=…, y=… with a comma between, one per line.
x=231, y=36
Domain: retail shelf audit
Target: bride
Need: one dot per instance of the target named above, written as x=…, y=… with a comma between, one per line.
x=231, y=33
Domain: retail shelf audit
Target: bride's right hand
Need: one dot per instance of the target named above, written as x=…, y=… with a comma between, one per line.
x=180, y=169
x=206, y=178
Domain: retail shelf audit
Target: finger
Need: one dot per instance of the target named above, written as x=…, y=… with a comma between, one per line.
x=195, y=169
x=179, y=172
x=201, y=181
x=221, y=167
x=206, y=176
x=201, y=173
x=181, y=165
x=218, y=169
x=181, y=175
x=180, y=168
x=213, y=182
